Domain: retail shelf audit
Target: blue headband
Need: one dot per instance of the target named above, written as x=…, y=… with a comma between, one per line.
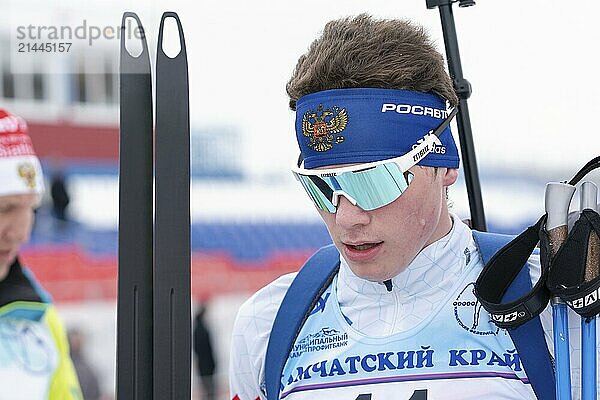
x=343, y=126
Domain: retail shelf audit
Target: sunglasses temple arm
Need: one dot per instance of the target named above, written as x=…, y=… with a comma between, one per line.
x=426, y=146
x=418, y=152
x=438, y=131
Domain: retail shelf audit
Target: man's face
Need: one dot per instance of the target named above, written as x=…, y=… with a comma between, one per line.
x=16, y=220
x=379, y=244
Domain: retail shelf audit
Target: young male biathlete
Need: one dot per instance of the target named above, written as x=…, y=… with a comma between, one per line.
x=398, y=319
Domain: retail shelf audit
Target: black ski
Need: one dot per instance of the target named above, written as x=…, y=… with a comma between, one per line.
x=134, y=299
x=172, y=291
x=463, y=90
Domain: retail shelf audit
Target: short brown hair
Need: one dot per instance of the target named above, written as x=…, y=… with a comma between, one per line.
x=374, y=53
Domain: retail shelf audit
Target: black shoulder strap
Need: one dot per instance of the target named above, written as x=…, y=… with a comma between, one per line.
x=528, y=338
x=301, y=297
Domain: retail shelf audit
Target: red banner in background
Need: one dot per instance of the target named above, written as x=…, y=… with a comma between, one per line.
x=67, y=140
x=68, y=274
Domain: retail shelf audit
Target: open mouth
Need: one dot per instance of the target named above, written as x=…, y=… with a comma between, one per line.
x=5, y=253
x=362, y=252
x=363, y=246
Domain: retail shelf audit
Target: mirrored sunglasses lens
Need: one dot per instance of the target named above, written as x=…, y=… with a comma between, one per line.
x=375, y=187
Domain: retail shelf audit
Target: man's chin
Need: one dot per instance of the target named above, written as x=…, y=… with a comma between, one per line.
x=368, y=272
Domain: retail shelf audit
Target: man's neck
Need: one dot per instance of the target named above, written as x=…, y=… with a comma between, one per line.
x=443, y=228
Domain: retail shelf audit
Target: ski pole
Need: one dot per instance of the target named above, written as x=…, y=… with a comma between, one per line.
x=588, y=200
x=463, y=121
x=557, y=200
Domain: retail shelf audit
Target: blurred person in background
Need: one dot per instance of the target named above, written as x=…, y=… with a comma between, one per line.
x=34, y=353
x=85, y=373
x=59, y=194
x=205, y=356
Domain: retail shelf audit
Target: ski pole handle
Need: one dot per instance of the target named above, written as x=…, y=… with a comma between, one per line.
x=558, y=198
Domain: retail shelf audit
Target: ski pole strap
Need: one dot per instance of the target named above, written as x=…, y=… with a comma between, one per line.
x=586, y=169
x=300, y=299
x=528, y=338
x=501, y=289
x=566, y=278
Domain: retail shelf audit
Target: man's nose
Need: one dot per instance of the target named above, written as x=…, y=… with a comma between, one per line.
x=349, y=215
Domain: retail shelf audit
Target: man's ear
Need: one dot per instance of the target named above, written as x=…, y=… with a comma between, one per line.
x=450, y=176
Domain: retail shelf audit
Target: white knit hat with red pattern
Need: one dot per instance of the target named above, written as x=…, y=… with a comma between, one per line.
x=20, y=169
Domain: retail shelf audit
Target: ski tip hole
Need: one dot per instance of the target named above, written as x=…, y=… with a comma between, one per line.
x=134, y=34
x=171, y=43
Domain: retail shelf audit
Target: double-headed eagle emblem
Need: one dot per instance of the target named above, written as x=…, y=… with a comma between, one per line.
x=321, y=126
x=27, y=173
